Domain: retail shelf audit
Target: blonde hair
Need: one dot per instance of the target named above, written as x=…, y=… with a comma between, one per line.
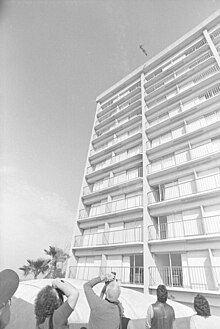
x=113, y=291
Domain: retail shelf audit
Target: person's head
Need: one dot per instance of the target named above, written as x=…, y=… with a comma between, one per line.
x=113, y=291
x=9, y=282
x=201, y=305
x=162, y=293
x=47, y=301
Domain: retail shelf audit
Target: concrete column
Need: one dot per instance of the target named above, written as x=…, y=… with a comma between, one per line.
x=215, y=280
x=103, y=264
x=202, y=222
x=147, y=257
x=212, y=47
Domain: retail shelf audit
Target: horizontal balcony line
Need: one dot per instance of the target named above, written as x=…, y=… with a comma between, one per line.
x=131, y=103
x=204, y=58
x=119, y=99
x=163, y=70
x=188, y=277
x=188, y=188
x=112, y=182
x=185, y=107
x=113, y=206
x=114, y=160
x=182, y=90
x=186, y=130
x=99, y=239
x=195, y=153
x=126, y=275
x=115, y=127
x=185, y=228
x=114, y=142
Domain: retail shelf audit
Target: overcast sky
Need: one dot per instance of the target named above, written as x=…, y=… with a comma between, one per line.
x=56, y=57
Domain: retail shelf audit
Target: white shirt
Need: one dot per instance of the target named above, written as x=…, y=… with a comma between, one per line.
x=202, y=322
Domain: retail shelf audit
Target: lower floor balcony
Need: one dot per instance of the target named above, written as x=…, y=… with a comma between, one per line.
x=201, y=278
x=176, y=190
x=186, y=277
x=126, y=275
x=185, y=228
x=117, y=237
x=124, y=204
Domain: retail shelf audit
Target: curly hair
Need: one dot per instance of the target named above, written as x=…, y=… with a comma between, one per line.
x=201, y=305
x=162, y=293
x=45, y=304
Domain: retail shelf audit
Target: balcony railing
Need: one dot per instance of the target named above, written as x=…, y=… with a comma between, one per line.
x=115, y=159
x=184, y=130
x=189, y=277
x=178, y=73
x=215, y=33
x=188, y=188
x=114, y=141
x=184, y=157
x=109, y=182
x=114, y=206
x=124, y=236
x=117, y=124
x=182, y=88
x=178, y=59
x=127, y=275
x=185, y=228
x=209, y=94
x=118, y=108
x=120, y=96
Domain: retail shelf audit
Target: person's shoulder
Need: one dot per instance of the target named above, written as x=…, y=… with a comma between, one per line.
x=214, y=320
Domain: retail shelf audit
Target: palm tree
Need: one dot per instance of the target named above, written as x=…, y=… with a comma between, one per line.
x=35, y=267
x=57, y=255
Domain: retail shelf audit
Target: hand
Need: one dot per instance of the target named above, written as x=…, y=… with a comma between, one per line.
x=107, y=277
x=58, y=283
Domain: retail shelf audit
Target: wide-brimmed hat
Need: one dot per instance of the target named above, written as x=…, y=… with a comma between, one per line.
x=9, y=282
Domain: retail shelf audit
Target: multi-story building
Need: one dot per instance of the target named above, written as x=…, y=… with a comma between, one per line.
x=150, y=201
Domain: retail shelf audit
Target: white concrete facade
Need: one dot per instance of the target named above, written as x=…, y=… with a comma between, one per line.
x=149, y=206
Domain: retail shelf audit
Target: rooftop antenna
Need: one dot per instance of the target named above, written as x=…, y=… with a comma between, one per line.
x=143, y=50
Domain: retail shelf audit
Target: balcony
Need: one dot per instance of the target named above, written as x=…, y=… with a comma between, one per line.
x=117, y=237
x=188, y=277
x=127, y=275
x=112, y=207
x=113, y=181
x=115, y=140
x=196, y=153
x=107, y=118
x=186, y=189
x=113, y=160
x=117, y=125
x=185, y=228
x=185, y=130
x=210, y=72
x=155, y=89
x=216, y=33
x=123, y=96
x=194, y=50
x=184, y=107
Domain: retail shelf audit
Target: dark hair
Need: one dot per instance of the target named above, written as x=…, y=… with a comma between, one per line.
x=45, y=304
x=201, y=305
x=162, y=293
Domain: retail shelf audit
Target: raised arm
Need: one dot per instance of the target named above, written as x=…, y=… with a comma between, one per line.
x=69, y=291
x=92, y=298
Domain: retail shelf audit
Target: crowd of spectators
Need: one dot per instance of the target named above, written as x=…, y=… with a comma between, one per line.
x=55, y=303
